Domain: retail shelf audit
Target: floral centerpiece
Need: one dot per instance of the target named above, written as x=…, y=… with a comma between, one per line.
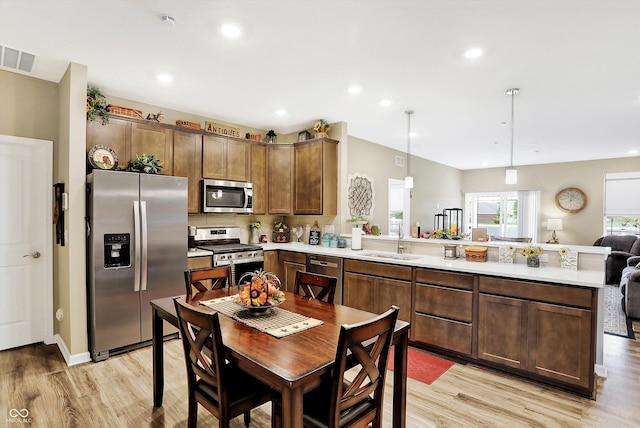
x=446, y=234
x=262, y=292
x=321, y=128
x=532, y=253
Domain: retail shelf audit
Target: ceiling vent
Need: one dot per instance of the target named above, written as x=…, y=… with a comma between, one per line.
x=15, y=59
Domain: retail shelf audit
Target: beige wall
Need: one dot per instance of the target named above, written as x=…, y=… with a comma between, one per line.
x=435, y=186
x=579, y=229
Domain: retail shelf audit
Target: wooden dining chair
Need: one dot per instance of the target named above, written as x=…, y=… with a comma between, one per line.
x=220, y=387
x=340, y=403
x=207, y=279
x=316, y=286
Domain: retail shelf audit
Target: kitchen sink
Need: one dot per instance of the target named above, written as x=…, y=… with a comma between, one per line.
x=392, y=256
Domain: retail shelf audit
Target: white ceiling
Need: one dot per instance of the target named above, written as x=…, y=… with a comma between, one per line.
x=576, y=62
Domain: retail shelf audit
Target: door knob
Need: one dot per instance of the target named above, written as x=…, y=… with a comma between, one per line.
x=35, y=255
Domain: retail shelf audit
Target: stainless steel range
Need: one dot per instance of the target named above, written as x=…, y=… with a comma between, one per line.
x=227, y=250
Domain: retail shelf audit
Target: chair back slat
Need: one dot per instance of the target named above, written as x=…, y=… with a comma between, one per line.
x=207, y=279
x=316, y=286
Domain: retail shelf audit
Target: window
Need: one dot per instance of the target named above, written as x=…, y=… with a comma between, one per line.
x=505, y=214
x=399, y=206
x=621, y=204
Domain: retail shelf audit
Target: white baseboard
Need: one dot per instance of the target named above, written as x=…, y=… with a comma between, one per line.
x=601, y=370
x=71, y=360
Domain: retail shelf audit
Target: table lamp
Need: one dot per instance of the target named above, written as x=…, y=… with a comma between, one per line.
x=554, y=224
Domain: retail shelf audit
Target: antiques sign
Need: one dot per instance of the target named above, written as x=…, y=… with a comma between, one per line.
x=216, y=128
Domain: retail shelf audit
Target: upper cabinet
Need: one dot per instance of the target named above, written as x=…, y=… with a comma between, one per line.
x=153, y=140
x=279, y=178
x=117, y=135
x=226, y=159
x=316, y=177
x=259, y=177
x=187, y=162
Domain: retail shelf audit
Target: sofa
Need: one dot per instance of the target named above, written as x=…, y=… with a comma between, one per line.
x=630, y=287
x=622, y=247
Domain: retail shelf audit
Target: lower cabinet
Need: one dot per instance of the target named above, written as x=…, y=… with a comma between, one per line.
x=545, y=329
x=271, y=262
x=201, y=262
x=374, y=287
x=290, y=263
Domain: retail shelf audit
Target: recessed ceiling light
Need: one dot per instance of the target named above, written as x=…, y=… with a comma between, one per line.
x=473, y=53
x=633, y=152
x=165, y=78
x=484, y=164
x=281, y=112
x=503, y=123
x=168, y=19
x=230, y=31
x=386, y=103
x=355, y=89
x=413, y=134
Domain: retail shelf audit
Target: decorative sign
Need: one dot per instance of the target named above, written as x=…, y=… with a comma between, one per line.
x=361, y=195
x=506, y=254
x=216, y=128
x=314, y=237
x=568, y=259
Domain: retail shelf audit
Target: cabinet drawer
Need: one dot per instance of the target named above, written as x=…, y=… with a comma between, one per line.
x=446, y=334
x=378, y=269
x=549, y=293
x=454, y=280
x=290, y=256
x=444, y=302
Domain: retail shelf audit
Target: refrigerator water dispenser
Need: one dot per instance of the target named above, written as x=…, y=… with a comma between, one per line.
x=117, y=250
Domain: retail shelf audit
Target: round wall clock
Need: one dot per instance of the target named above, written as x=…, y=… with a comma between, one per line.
x=103, y=157
x=571, y=200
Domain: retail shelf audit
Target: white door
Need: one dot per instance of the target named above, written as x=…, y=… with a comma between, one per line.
x=25, y=241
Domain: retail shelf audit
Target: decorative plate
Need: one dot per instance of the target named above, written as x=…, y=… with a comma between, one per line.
x=103, y=157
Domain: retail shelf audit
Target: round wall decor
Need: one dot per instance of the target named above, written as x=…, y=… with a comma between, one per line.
x=571, y=200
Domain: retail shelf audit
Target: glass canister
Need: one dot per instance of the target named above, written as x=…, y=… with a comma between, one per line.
x=333, y=243
x=326, y=239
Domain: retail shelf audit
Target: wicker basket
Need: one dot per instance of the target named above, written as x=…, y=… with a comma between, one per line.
x=476, y=254
x=188, y=124
x=124, y=111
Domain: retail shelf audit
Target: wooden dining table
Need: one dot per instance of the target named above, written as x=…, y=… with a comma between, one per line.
x=291, y=365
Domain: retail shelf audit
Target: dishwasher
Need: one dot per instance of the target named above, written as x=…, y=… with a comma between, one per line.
x=327, y=265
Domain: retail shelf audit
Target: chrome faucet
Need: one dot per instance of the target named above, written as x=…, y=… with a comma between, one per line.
x=401, y=248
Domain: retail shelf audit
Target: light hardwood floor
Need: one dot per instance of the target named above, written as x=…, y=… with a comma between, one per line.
x=118, y=393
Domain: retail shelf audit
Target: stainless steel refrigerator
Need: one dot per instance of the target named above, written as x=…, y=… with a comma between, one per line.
x=136, y=252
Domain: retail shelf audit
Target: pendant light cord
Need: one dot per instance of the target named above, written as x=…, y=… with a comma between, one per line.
x=409, y=113
x=512, y=92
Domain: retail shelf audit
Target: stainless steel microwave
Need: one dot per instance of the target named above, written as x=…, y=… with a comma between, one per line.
x=220, y=196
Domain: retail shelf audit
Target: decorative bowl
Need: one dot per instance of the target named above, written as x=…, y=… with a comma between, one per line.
x=261, y=293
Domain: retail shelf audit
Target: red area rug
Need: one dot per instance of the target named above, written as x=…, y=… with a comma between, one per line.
x=421, y=366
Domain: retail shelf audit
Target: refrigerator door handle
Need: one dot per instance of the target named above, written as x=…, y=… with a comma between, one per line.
x=143, y=222
x=136, y=240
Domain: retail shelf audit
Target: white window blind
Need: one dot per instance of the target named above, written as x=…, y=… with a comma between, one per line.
x=622, y=194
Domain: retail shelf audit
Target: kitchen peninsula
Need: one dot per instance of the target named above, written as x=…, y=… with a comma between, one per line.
x=542, y=323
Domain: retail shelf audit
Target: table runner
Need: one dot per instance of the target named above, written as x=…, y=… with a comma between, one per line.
x=278, y=322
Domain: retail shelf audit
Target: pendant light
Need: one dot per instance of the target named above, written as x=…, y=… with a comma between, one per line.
x=512, y=173
x=408, y=180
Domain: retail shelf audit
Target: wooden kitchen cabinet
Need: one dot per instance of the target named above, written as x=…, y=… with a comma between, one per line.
x=290, y=263
x=374, y=287
x=226, y=158
x=316, y=177
x=187, y=162
x=153, y=140
x=443, y=310
x=543, y=329
x=115, y=134
x=279, y=178
x=259, y=177
x=271, y=262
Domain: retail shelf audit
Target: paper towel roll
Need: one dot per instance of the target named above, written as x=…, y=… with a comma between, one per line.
x=356, y=238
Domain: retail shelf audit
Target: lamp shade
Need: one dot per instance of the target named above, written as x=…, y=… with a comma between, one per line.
x=511, y=176
x=554, y=224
